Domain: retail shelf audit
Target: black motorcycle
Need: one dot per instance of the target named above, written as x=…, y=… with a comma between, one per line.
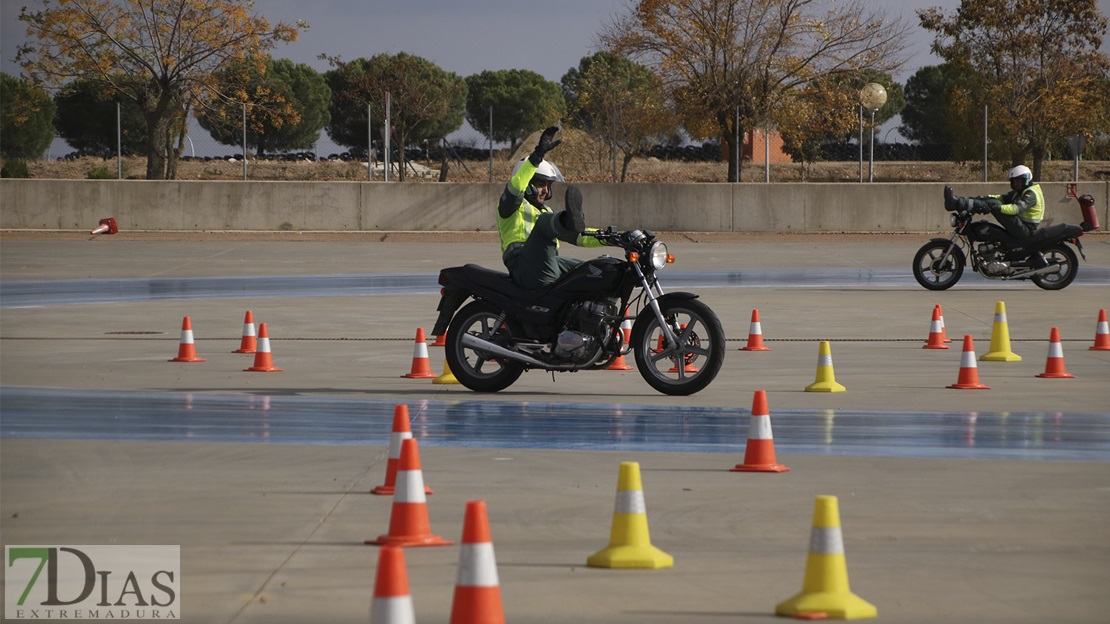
x=576, y=323
x=995, y=254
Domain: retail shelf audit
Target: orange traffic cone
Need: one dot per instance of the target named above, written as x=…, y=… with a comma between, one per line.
x=969, y=370
x=688, y=367
x=477, y=597
x=186, y=350
x=1054, y=366
x=402, y=430
x=106, y=226
x=263, y=359
x=755, y=335
x=249, y=343
x=936, y=332
x=392, y=603
x=759, y=456
x=619, y=364
x=421, y=365
x=1102, y=333
x=441, y=340
x=408, y=520
x=943, y=327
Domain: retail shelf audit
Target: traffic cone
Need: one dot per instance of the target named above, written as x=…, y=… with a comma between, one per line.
x=936, y=332
x=619, y=364
x=392, y=603
x=826, y=377
x=759, y=456
x=421, y=365
x=187, y=350
x=447, y=377
x=408, y=520
x=755, y=335
x=249, y=343
x=969, y=371
x=1054, y=366
x=1000, y=338
x=943, y=327
x=106, y=226
x=1102, y=333
x=825, y=591
x=440, y=341
x=687, y=367
x=402, y=430
x=477, y=597
x=263, y=359
x=629, y=542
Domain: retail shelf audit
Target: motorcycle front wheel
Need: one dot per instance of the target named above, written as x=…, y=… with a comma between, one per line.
x=1068, y=262
x=476, y=369
x=937, y=268
x=695, y=362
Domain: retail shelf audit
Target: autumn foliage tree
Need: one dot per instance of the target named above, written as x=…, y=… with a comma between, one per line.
x=522, y=102
x=1040, y=70
x=614, y=99
x=723, y=59
x=162, y=54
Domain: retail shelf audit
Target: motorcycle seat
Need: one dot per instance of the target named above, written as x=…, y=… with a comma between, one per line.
x=499, y=281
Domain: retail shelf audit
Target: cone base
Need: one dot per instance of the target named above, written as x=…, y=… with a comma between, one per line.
x=1063, y=375
x=759, y=348
x=825, y=386
x=619, y=365
x=245, y=351
x=646, y=557
x=445, y=379
x=263, y=369
x=759, y=468
x=1000, y=356
x=835, y=605
x=387, y=490
x=409, y=540
x=1097, y=348
x=935, y=346
x=187, y=359
x=969, y=386
x=419, y=376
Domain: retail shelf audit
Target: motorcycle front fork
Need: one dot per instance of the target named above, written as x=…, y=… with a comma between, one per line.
x=653, y=291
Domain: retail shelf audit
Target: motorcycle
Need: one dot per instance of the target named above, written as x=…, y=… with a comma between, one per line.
x=994, y=254
x=576, y=323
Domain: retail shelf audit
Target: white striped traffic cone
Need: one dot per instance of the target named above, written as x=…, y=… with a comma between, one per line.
x=263, y=359
x=477, y=598
x=421, y=365
x=249, y=341
x=187, y=350
x=402, y=430
x=969, y=370
x=1102, y=333
x=936, y=332
x=826, y=377
x=629, y=541
x=759, y=455
x=408, y=520
x=755, y=335
x=392, y=603
x=1000, y=338
x=1054, y=366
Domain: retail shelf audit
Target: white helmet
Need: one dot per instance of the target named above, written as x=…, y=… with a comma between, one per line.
x=1022, y=174
x=546, y=172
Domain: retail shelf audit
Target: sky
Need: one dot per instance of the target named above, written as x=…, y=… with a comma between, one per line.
x=466, y=37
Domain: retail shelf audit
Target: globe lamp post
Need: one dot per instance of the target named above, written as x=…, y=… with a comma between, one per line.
x=872, y=97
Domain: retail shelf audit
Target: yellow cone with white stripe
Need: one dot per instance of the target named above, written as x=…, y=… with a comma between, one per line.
x=825, y=588
x=826, y=378
x=629, y=541
x=1000, y=338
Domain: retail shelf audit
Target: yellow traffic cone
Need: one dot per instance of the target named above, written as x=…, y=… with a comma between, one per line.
x=825, y=588
x=447, y=377
x=1000, y=338
x=826, y=378
x=629, y=542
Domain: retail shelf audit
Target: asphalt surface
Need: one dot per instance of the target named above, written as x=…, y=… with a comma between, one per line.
x=956, y=505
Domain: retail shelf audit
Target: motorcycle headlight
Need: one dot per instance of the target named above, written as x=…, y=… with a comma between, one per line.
x=952, y=219
x=659, y=255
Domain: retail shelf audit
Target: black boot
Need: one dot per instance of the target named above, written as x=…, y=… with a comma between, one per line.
x=951, y=202
x=572, y=218
x=1037, y=261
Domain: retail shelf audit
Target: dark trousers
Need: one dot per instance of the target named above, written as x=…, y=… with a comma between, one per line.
x=1016, y=227
x=536, y=262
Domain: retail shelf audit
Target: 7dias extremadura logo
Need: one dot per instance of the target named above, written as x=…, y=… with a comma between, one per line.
x=92, y=582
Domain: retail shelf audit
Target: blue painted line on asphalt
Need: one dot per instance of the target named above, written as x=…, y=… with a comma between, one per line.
x=30, y=293
x=283, y=419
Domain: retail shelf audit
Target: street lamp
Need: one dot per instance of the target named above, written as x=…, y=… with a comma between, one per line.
x=872, y=97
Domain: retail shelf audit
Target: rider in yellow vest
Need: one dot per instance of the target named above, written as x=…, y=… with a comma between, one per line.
x=1019, y=211
x=530, y=231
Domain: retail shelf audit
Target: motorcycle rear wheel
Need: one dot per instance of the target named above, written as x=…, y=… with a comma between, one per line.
x=933, y=270
x=478, y=370
x=691, y=366
x=1069, y=266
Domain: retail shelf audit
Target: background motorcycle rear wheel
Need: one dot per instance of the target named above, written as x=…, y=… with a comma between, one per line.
x=700, y=353
x=478, y=370
x=933, y=270
x=1069, y=266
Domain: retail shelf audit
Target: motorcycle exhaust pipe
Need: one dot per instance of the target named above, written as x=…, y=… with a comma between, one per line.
x=474, y=342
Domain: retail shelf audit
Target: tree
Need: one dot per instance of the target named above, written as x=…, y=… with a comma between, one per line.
x=814, y=114
x=287, y=106
x=617, y=100
x=521, y=100
x=26, y=116
x=932, y=115
x=1039, y=64
x=86, y=119
x=722, y=57
x=161, y=54
x=426, y=102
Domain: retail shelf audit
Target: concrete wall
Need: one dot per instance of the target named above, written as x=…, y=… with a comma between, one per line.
x=373, y=206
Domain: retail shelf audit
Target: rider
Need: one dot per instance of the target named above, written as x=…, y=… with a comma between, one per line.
x=530, y=231
x=1020, y=211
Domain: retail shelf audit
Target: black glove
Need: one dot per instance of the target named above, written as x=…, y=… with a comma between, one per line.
x=545, y=145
